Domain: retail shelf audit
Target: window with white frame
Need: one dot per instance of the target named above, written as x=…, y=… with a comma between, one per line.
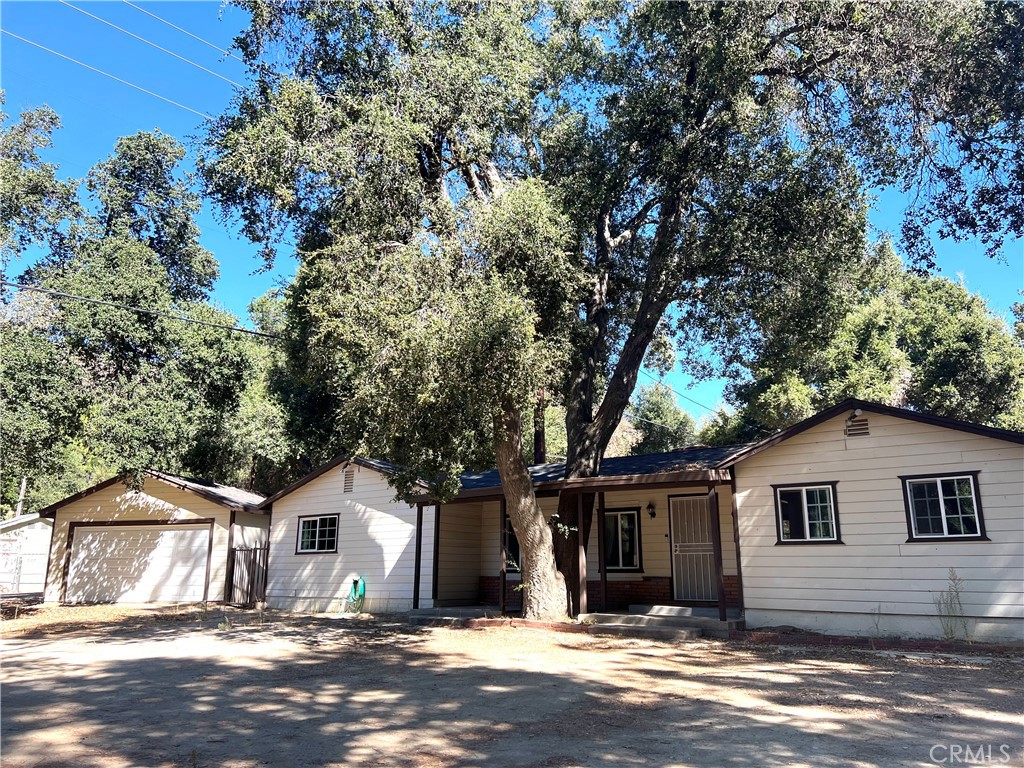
x=622, y=539
x=317, y=534
x=943, y=506
x=806, y=513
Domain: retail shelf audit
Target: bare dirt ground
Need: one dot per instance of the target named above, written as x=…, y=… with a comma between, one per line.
x=113, y=686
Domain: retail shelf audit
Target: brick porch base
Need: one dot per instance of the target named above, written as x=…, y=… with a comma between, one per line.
x=650, y=590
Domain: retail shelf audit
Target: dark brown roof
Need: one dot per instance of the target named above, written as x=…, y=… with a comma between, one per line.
x=852, y=404
x=688, y=464
x=225, y=495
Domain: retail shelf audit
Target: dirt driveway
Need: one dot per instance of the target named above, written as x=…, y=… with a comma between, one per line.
x=145, y=689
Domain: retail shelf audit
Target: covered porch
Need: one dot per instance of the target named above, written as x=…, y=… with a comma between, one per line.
x=667, y=536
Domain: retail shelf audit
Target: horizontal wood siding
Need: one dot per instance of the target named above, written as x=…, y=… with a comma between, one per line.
x=156, y=501
x=490, y=539
x=376, y=540
x=251, y=530
x=875, y=581
x=458, y=573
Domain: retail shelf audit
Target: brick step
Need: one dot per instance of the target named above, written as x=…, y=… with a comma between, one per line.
x=649, y=632
x=437, y=621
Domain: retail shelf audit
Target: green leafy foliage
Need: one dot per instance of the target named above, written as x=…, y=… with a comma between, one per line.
x=925, y=343
x=663, y=425
x=393, y=337
x=93, y=388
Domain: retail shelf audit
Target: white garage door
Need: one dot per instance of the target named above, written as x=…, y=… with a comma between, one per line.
x=138, y=564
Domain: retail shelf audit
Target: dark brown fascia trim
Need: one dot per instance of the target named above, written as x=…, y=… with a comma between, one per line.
x=240, y=506
x=337, y=461
x=606, y=483
x=478, y=495
x=321, y=470
x=850, y=404
x=51, y=510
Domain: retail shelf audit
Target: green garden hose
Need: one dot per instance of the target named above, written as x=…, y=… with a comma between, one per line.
x=356, y=596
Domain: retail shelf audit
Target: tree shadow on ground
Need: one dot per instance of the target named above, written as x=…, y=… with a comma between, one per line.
x=350, y=692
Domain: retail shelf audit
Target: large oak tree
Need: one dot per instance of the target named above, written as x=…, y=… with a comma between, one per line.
x=589, y=178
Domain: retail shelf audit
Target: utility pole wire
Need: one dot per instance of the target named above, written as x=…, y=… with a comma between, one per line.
x=149, y=42
x=705, y=407
x=107, y=74
x=143, y=310
x=185, y=31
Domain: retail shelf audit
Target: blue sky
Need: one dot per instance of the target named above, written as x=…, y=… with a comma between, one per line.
x=96, y=110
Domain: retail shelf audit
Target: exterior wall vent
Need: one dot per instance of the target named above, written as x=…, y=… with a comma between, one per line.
x=350, y=479
x=857, y=427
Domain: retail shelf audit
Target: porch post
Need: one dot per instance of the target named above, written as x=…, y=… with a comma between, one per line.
x=600, y=551
x=419, y=557
x=582, y=553
x=716, y=542
x=736, y=538
x=503, y=535
x=437, y=551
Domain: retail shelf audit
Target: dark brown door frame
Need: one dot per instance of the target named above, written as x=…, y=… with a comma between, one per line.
x=76, y=524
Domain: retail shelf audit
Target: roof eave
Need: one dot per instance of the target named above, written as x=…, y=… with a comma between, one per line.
x=600, y=483
x=51, y=510
x=886, y=410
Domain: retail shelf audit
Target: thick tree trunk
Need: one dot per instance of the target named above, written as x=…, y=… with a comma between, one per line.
x=589, y=432
x=567, y=547
x=543, y=585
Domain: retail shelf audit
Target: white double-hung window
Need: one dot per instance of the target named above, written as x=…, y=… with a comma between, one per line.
x=943, y=506
x=806, y=513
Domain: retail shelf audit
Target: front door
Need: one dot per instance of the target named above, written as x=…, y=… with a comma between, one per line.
x=693, y=551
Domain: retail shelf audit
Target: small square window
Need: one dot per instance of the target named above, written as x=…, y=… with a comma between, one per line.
x=806, y=513
x=317, y=534
x=943, y=507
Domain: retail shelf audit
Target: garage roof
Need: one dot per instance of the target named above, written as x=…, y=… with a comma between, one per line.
x=225, y=495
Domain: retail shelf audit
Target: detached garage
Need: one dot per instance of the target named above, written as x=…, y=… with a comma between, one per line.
x=174, y=540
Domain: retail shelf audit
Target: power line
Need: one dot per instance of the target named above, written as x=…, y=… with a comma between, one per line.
x=107, y=74
x=678, y=394
x=762, y=430
x=185, y=31
x=149, y=42
x=143, y=310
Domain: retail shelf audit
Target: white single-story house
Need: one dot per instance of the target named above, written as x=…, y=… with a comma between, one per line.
x=848, y=522
x=176, y=539
x=24, y=546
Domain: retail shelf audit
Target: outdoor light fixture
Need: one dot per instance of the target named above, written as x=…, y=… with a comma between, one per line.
x=650, y=510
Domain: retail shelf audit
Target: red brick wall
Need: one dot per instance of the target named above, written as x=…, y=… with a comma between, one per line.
x=732, y=590
x=650, y=590
x=490, y=590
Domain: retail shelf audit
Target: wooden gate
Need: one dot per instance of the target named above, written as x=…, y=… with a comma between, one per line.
x=249, y=575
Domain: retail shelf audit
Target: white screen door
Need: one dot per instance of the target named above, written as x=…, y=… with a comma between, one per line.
x=693, y=551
